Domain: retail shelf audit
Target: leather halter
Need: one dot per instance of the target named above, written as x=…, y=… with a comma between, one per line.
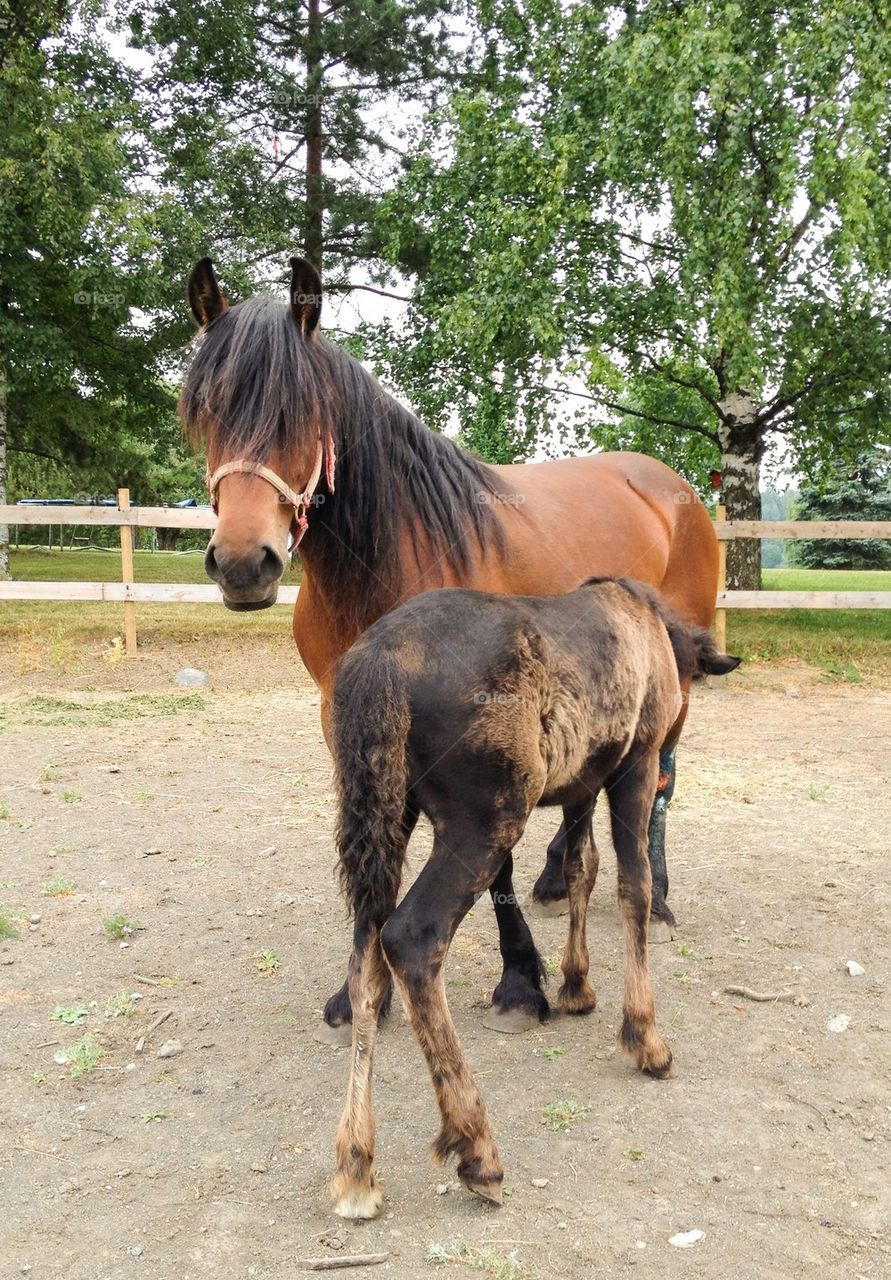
x=299, y=502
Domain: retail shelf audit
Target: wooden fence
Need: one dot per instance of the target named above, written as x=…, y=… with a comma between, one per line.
x=130, y=593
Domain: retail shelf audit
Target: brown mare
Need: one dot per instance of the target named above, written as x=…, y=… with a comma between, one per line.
x=389, y=509
x=473, y=709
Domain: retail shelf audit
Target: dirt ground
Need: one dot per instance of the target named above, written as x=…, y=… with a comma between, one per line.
x=772, y=1137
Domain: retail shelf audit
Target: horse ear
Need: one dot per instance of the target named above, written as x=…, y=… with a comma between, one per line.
x=205, y=298
x=306, y=295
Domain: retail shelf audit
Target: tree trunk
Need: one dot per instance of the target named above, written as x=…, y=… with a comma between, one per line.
x=314, y=195
x=4, y=528
x=741, y=452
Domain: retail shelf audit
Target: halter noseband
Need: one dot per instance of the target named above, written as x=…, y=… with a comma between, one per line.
x=299, y=502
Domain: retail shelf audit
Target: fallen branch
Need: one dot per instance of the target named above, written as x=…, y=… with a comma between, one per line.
x=348, y=1260
x=162, y=1017
x=767, y=997
x=148, y=982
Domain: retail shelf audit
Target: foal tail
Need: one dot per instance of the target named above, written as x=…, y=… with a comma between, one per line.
x=371, y=721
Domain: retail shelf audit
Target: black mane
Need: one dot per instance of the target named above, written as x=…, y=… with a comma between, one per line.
x=258, y=389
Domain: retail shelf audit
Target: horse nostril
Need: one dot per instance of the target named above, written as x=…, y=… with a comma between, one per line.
x=211, y=568
x=271, y=566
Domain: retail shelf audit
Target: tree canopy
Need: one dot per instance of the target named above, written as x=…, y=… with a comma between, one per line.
x=686, y=210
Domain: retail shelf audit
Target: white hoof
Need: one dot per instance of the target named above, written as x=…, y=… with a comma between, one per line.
x=359, y=1202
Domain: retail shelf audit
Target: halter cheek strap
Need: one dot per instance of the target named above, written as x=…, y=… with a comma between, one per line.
x=299, y=502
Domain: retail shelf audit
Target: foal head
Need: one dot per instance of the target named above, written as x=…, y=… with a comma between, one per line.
x=256, y=396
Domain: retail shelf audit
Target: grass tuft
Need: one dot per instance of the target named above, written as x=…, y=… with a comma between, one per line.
x=482, y=1257
x=59, y=887
x=560, y=1115
x=83, y=1056
x=118, y=927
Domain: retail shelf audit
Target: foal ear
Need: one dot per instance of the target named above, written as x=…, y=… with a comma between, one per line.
x=205, y=298
x=306, y=295
x=720, y=664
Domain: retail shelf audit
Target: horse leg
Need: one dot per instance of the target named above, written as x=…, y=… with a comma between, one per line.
x=518, y=1001
x=416, y=940
x=580, y=871
x=549, y=890
x=660, y=910
x=630, y=792
x=354, y=1187
x=338, y=1013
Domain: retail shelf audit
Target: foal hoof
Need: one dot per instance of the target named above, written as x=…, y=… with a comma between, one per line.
x=352, y=1201
x=659, y=931
x=545, y=910
x=340, y=1035
x=488, y=1189
x=511, y=1022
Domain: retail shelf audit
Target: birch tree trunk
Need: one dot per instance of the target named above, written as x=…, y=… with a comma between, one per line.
x=741, y=453
x=4, y=528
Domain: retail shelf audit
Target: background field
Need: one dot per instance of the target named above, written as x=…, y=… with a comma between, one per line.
x=847, y=645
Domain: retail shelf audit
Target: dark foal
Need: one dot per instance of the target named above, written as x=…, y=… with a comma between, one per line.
x=473, y=709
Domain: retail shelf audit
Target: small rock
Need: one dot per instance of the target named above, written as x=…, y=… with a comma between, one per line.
x=35, y=919
x=136, y=1250
x=854, y=969
x=539, y=1182
x=269, y=852
x=150, y=853
x=123, y=945
x=286, y=899
x=169, y=1049
x=192, y=678
x=839, y=1023
x=686, y=1239
x=258, y=1167
x=792, y=691
x=442, y=1188
x=109, y=768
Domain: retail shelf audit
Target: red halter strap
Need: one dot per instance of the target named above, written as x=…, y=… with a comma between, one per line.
x=299, y=502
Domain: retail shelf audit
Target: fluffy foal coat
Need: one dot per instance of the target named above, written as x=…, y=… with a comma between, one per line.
x=473, y=709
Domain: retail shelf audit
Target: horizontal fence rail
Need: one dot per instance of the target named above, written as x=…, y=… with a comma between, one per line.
x=131, y=593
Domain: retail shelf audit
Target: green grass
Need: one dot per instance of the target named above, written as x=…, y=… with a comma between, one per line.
x=73, y=1014
x=849, y=645
x=37, y=565
x=59, y=887
x=121, y=1006
x=481, y=1257
x=40, y=710
x=118, y=927
x=83, y=1056
x=560, y=1115
x=7, y=928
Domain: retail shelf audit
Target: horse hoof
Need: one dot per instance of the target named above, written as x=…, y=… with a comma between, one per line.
x=659, y=931
x=544, y=910
x=340, y=1035
x=511, y=1022
x=491, y=1192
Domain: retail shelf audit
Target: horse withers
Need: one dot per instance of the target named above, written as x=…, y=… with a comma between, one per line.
x=474, y=709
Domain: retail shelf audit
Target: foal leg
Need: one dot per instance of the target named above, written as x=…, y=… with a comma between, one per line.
x=354, y=1188
x=518, y=1001
x=338, y=1013
x=660, y=910
x=580, y=866
x=549, y=890
x=415, y=941
x=630, y=792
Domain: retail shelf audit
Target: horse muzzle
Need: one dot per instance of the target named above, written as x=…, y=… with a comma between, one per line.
x=248, y=580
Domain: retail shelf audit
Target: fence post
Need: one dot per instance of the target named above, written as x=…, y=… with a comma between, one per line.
x=127, y=575
x=721, y=614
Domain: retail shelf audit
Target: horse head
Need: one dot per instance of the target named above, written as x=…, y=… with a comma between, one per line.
x=254, y=397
